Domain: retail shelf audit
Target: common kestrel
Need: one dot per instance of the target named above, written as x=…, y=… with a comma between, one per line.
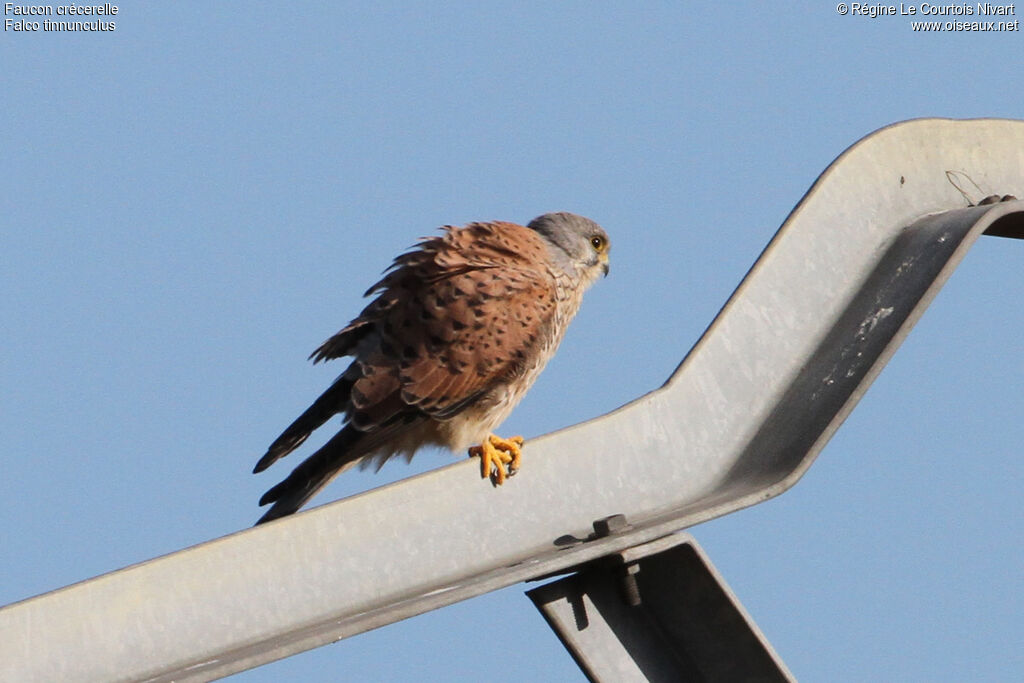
x=460, y=328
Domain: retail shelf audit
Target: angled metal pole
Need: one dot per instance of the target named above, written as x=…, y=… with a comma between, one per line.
x=740, y=421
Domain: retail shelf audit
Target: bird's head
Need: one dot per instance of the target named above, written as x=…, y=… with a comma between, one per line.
x=583, y=242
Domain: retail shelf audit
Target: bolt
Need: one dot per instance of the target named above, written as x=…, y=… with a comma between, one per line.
x=630, y=588
x=610, y=525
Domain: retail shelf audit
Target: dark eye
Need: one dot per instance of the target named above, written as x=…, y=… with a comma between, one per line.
x=597, y=242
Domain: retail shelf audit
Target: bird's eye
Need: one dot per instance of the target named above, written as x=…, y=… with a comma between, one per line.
x=598, y=243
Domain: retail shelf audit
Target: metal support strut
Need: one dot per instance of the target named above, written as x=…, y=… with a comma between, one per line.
x=657, y=612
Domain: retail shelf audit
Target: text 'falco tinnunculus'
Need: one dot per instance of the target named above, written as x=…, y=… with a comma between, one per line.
x=460, y=328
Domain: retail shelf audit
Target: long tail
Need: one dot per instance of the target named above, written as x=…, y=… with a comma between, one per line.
x=343, y=450
x=330, y=403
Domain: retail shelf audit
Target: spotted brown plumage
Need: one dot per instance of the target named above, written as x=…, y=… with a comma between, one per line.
x=459, y=329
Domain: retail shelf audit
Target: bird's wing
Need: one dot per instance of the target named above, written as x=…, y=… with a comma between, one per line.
x=456, y=314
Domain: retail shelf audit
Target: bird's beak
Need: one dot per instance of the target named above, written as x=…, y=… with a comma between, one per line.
x=604, y=264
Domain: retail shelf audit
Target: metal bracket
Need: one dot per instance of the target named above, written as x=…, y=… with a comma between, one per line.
x=657, y=612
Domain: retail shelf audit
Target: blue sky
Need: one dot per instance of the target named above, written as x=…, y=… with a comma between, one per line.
x=193, y=202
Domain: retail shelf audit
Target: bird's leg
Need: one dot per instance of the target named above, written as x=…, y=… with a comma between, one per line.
x=499, y=458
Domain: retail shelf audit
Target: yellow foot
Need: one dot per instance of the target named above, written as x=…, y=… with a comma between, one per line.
x=499, y=458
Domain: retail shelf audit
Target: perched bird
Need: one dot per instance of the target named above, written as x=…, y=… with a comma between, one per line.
x=460, y=328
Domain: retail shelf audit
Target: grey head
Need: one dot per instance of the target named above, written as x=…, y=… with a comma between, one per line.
x=577, y=243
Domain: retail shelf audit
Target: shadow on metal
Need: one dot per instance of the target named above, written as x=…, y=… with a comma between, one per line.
x=908, y=274
x=741, y=419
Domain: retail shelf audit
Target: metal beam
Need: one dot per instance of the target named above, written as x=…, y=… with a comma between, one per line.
x=657, y=613
x=740, y=420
